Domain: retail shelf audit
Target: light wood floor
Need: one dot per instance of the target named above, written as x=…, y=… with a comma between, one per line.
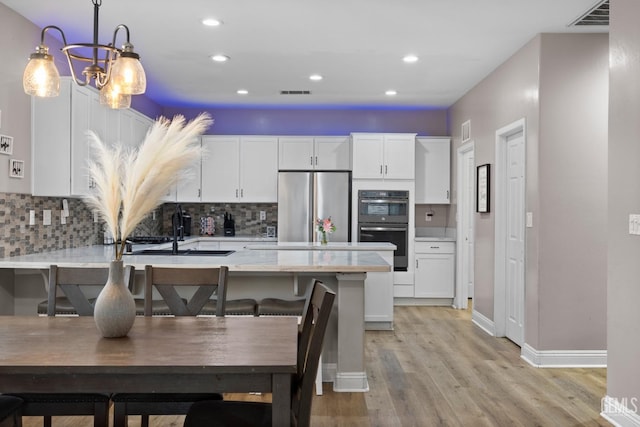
x=438, y=369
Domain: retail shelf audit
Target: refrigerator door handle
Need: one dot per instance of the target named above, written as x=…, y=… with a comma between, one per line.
x=383, y=228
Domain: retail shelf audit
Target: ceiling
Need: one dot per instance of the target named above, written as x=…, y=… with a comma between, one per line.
x=356, y=45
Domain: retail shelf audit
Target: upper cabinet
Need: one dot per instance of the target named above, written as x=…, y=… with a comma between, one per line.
x=383, y=155
x=189, y=185
x=240, y=169
x=433, y=170
x=60, y=142
x=309, y=153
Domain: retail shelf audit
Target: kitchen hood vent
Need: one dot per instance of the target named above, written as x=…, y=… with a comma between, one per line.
x=596, y=16
x=295, y=92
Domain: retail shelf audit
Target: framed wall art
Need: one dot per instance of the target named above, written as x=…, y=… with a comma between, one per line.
x=483, y=173
x=16, y=168
x=6, y=144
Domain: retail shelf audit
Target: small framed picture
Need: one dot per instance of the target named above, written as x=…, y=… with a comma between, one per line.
x=6, y=144
x=466, y=131
x=16, y=168
x=483, y=173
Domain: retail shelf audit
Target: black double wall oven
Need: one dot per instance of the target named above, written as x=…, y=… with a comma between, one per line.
x=383, y=216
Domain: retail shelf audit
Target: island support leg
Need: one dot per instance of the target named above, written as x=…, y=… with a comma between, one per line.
x=350, y=373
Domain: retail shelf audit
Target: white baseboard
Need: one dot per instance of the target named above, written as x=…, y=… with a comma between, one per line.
x=564, y=358
x=483, y=322
x=620, y=415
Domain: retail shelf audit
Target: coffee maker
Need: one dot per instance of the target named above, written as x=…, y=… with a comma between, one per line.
x=229, y=225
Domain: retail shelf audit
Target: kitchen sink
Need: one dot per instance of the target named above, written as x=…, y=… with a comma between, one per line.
x=202, y=252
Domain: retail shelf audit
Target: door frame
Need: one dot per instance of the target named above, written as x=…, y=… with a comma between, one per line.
x=462, y=295
x=500, y=249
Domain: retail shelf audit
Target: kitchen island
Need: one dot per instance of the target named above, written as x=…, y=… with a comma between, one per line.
x=252, y=270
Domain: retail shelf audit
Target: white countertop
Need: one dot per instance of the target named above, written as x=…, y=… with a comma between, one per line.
x=331, y=246
x=318, y=260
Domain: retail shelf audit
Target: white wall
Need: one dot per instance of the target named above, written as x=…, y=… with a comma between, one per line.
x=623, y=288
x=558, y=84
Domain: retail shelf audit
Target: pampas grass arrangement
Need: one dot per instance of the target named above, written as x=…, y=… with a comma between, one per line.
x=130, y=184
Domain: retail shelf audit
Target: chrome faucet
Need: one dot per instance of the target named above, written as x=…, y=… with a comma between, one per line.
x=178, y=228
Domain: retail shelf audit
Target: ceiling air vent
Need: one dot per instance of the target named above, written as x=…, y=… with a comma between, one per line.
x=597, y=15
x=295, y=92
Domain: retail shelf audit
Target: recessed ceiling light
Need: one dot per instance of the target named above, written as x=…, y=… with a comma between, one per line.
x=242, y=92
x=391, y=92
x=220, y=58
x=410, y=59
x=315, y=77
x=211, y=22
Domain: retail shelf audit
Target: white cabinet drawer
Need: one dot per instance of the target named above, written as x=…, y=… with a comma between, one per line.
x=435, y=247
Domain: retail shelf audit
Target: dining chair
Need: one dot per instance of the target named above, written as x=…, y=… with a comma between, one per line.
x=74, y=282
x=223, y=413
x=10, y=411
x=167, y=281
x=297, y=307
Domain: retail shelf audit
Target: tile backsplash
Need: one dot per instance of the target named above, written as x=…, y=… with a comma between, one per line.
x=17, y=237
x=246, y=216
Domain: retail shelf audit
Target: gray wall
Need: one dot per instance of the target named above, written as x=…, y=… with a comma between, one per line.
x=623, y=290
x=558, y=83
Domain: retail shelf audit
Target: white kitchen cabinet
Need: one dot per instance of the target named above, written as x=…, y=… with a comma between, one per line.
x=383, y=155
x=434, y=269
x=133, y=127
x=240, y=169
x=189, y=185
x=59, y=142
x=433, y=166
x=309, y=153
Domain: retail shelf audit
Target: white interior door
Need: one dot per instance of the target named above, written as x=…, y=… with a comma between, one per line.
x=515, y=206
x=466, y=209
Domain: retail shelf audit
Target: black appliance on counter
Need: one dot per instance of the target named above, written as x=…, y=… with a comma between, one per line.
x=183, y=222
x=229, y=225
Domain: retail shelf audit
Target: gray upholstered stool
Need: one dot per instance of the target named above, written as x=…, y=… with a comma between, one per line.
x=235, y=307
x=280, y=307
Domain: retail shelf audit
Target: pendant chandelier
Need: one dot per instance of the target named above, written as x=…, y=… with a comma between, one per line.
x=117, y=73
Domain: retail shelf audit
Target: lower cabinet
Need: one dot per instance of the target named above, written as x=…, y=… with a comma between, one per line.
x=434, y=269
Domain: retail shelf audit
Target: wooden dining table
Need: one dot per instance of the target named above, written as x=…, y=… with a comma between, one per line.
x=160, y=355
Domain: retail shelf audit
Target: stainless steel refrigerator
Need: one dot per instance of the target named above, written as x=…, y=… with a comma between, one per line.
x=304, y=197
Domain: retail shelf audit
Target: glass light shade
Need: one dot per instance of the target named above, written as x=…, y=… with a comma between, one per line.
x=41, y=77
x=127, y=72
x=112, y=96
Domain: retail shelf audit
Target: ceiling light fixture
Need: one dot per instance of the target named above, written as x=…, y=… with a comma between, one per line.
x=211, y=22
x=220, y=58
x=119, y=67
x=315, y=77
x=242, y=92
x=410, y=59
x=391, y=92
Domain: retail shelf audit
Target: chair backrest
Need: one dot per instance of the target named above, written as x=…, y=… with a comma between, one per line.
x=314, y=325
x=166, y=279
x=71, y=280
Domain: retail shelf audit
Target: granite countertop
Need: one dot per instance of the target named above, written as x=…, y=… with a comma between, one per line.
x=331, y=246
x=344, y=261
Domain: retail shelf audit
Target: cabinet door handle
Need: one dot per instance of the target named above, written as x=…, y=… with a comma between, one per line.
x=447, y=194
x=416, y=263
x=236, y=193
x=435, y=247
x=385, y=169
x=311, y=160
x=199, y=193
x=316, y=160
x=380, y=169
x=242, y=192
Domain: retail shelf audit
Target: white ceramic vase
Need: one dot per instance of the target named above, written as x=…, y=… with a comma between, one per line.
x=115, y=308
